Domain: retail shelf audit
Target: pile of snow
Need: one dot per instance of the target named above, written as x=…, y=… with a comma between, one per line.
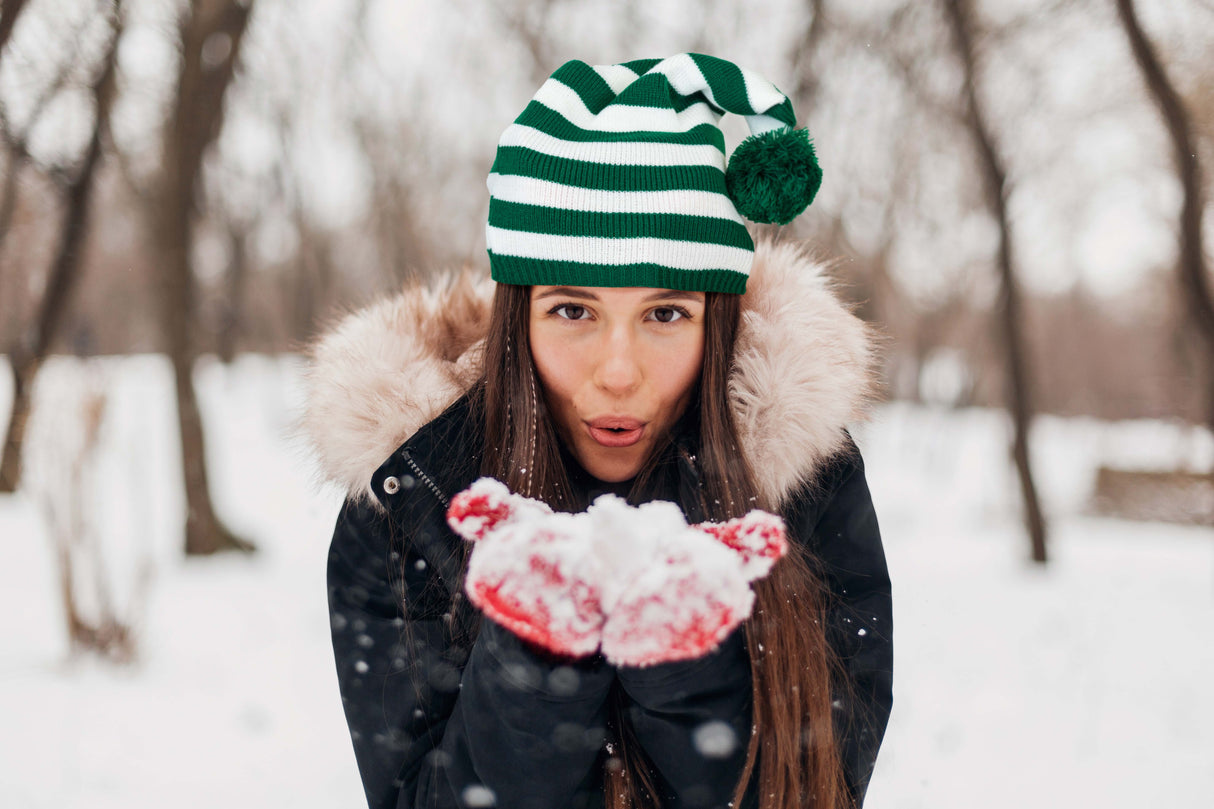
x=1084, y=683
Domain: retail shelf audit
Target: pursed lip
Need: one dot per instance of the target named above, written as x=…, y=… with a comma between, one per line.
x=616, y=431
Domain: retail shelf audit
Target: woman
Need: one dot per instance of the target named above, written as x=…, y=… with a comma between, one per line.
x=636, y=342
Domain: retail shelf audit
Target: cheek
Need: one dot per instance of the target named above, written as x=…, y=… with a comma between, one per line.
x=557, y=368
x=679, y=372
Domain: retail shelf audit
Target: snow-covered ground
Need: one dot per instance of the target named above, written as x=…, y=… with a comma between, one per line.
x=1086, y=683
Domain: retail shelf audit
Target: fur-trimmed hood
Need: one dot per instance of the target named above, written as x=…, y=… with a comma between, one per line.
x=803, y=372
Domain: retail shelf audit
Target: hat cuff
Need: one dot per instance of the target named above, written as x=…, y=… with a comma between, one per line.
x=535, y=272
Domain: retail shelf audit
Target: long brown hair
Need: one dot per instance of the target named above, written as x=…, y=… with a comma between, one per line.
x=793, y=745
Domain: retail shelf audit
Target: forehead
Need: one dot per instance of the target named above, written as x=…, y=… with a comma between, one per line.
x=615, y=296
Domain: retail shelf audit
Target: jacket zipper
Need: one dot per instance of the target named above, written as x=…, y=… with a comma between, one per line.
x=430, y=484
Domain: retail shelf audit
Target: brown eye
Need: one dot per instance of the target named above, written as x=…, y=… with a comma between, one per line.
x=570, y=311
x=667, y=314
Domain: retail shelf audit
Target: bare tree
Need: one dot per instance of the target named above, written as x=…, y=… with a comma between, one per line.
x=31, y=349
x=63, y=481
x=804, y=87
x=9, y=10
x=17, y=141
x=529, y=23
x=232, y=314
x=211, y=32
x=996, y=185
x=395, y=217
x=1194, y=276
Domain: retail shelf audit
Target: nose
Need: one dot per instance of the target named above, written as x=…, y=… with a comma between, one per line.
x=618, y=370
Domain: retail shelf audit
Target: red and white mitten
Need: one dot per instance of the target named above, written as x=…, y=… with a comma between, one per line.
x=641, y=581
x=684, y=589
x=485, y=505
x=758, y=538
x=529, y=570
x=689, y=599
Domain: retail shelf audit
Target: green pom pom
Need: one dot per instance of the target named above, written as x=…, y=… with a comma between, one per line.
x=774, y=176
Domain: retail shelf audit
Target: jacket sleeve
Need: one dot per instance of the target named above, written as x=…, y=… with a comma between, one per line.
x=835, y=516
x=434, y=725
x=692, y=719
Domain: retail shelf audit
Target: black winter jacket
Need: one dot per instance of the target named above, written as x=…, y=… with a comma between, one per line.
x=443, y=716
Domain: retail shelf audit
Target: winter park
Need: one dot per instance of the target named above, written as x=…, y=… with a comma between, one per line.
x=252, y=360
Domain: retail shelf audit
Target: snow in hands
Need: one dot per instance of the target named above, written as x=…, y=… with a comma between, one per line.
x=637, y=583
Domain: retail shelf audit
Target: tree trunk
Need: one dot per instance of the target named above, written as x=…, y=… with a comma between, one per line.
x=9, y=10
x=231, y=322
x=8, y=196
x=995, y=182
x=23, y=371
x=804, y=89
x=1194, y=277
x=195, y=121
x=32, y=348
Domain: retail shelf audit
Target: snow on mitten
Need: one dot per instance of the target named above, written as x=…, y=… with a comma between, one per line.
x=674, y=592
x=487, y=503
x=682, y=607
x=650, y=587
x=529, y=570
x=758, y=538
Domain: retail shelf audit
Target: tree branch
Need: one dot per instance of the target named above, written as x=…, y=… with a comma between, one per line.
x=1193, y=272
x=9, y=11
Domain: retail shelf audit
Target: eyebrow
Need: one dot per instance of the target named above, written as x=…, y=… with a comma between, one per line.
x=585, y=294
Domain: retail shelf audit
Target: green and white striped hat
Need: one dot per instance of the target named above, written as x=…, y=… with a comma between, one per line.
x=614, y=175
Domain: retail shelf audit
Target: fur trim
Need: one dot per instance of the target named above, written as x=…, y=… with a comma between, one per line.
x=386, y=370
x=803, y=372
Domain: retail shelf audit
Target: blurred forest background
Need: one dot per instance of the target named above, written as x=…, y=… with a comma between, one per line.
x=1013, y=194
x=1017, y=194
x=223, y=175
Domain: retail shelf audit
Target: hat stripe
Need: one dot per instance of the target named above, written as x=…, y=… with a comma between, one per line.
x=514, y=188
x=612, y=152
x=728, y=85
x=565, y=101
x=586, y=83
x=610, y=251
x=642, y=66
x=760, y=124
x=564, y=222
x=531, y=271
x=617, y=76
x=744, y=92
x=589, y=174
x=541, y=117
x=686, y=78
x=653, y=90
x=764, y=98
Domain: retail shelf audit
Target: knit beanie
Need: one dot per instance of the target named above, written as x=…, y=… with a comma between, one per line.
x=614, y=175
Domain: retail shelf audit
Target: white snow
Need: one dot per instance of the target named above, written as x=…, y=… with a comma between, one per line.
x=1086, y=683
x=714, y=739
x=1082, y=684
x=488, y=505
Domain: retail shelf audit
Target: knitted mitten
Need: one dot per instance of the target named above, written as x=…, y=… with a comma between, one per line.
x=529, y=570
x=641, y=581
x=694, y=591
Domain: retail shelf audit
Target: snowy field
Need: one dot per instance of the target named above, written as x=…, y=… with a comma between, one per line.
x=1083, y=684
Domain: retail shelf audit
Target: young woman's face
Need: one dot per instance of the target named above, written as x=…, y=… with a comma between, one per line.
x=618, y=367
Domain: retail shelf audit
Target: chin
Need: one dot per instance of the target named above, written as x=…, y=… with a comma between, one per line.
x=610, y=470
x=613, y=477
